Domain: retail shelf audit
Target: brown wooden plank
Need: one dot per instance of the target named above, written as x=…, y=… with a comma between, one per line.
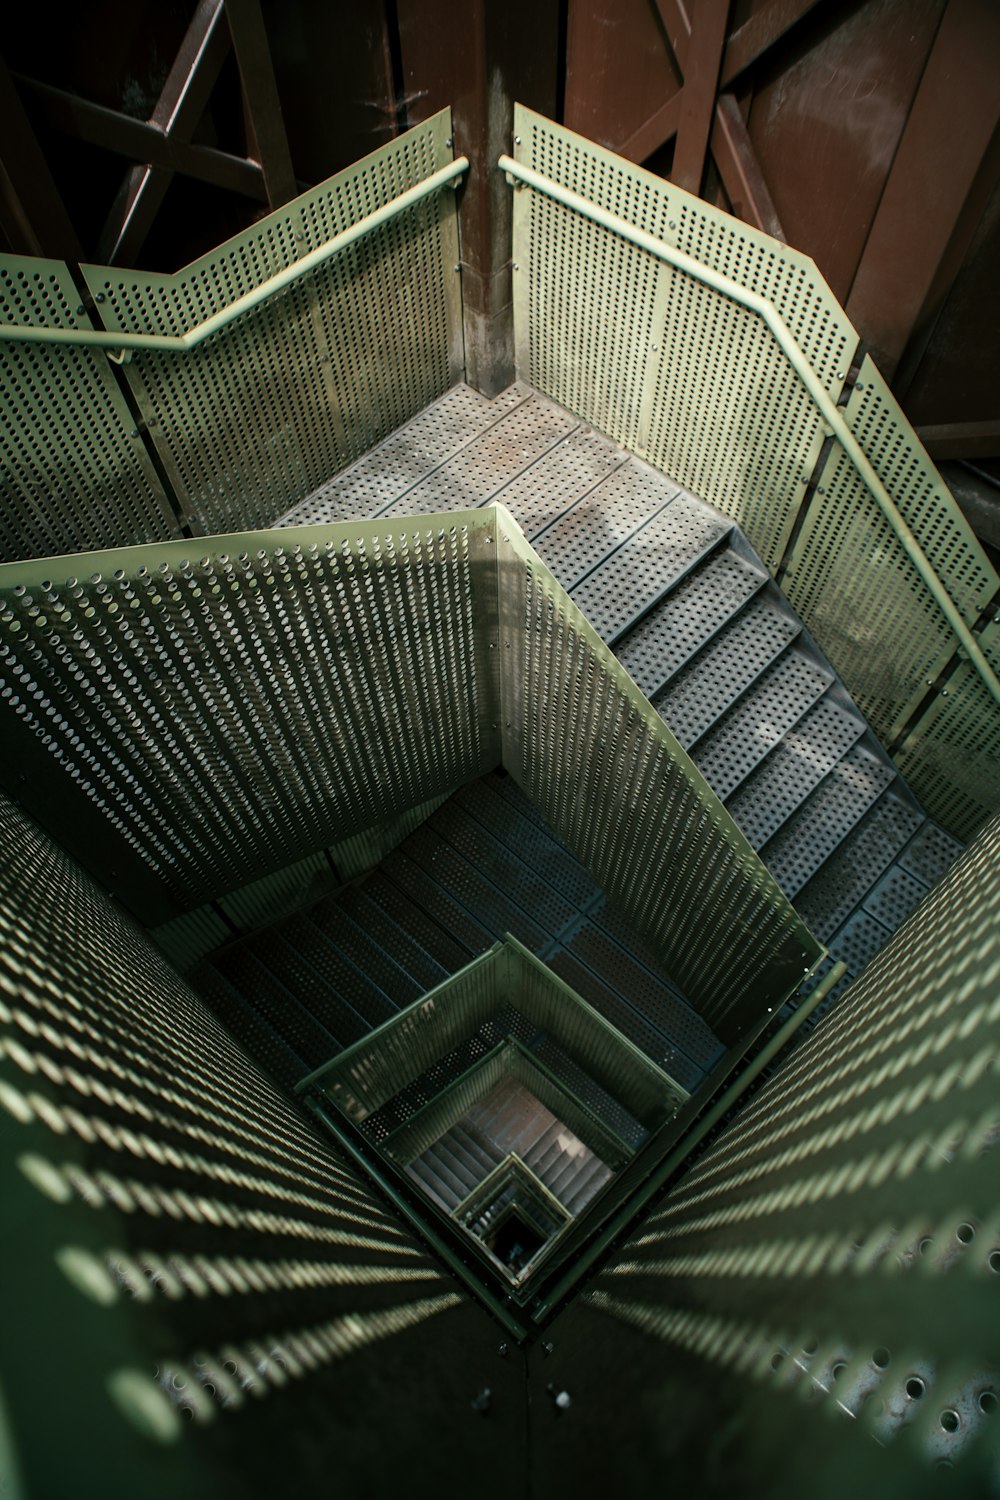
x=758, y=35
x=745, y=46
x=479, y=58
x=733, y=153
x=675, y=16
x=701, y=75
x=655, y=132
x=619, y=69
x=952, y=287
x=253, y=53
x=141, y=141
x=825, y=123
x=947, y=135
x=33, y=214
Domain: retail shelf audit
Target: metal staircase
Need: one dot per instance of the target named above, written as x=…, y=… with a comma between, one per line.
x=692, y=614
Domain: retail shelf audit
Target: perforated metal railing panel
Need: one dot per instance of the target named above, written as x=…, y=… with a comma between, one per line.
x=73, y=472
x=951, y=756
x=696, y=383
x=669, y=368
x=265, y=410
x=855, y=587
x=189, y=717
x=189, y=721
x=178, y=1242
x=604, y=770
x=844, y=1231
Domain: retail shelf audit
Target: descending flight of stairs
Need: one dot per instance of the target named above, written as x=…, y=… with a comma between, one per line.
x=510, y=1120
x=678, y=594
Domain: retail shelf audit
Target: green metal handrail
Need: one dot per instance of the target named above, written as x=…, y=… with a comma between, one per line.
x=125, y=342
x=835, y=422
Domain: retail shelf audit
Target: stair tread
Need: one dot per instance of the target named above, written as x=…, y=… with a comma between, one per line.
x=829, y=897
x=803, y=843
x=311, y=1038
x=796, y=765
x=497, y=454
x=654, y=559
x=602, y=520
x=728, y=663
x=756, y=723
x=687, y=619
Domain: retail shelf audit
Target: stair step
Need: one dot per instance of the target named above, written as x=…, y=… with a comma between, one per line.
x=929, y=855
x=560, y=479
x=542, y=1146
x=436, y=903
x=395, y=940
x=896, y=896
x=369, y=958
x=574, y=1194
x=551, y=861
x=687, y=619
x=628, y=1020
x=794, y=767
x=619, y=969
x=859, y=940
x=448, y=1178
x=825, y=818
x=451, y=1156
x=310, y=989
x=759, y=720
x=482, y=468
x=267, y=1046
x=829, y=897
x=564, y=1171
x=313, y=1040
x=733, y=658
x=587, y=1188
x=444, y=947
x=507, y=870
x=309, y=938
x=478, y=1161
x=392, y=468
x=429, y=1179
x=602, y=520
x=496, y=910
x=628, y=583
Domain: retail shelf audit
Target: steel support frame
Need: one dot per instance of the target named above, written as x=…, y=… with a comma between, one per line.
x=479, y=58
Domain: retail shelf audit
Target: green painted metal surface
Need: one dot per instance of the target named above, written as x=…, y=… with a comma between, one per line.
x=233, y=432
x=187, y=720
x=675, y=370
x=841, y=1240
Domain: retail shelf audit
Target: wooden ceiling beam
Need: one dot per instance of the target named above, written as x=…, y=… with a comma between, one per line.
x=33, y=214
x=943, y=146
x=142, y=141
x=758, y=35
x=260, y=91
x=701, y=77
x=733, y=154
x=178, y=110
